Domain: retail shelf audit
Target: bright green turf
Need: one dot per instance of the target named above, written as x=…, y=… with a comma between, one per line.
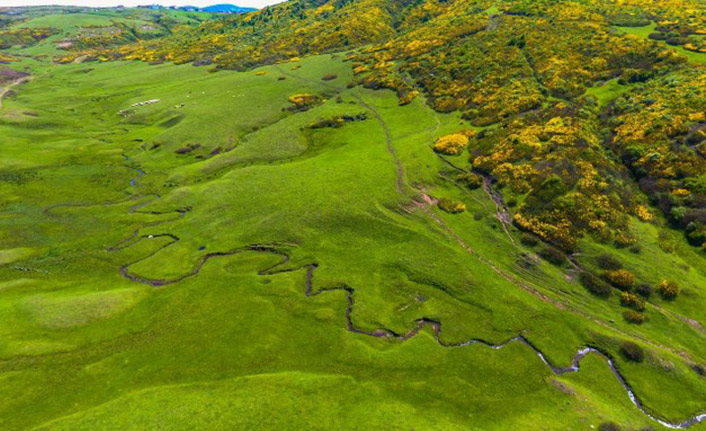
x=84, y=348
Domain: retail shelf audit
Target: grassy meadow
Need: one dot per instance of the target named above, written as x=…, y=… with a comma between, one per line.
x=94, y=182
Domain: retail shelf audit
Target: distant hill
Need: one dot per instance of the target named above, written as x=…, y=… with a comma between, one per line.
x=227, y=8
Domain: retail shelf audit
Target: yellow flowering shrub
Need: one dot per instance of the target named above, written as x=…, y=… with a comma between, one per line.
x=453, y=144
x=643, y=213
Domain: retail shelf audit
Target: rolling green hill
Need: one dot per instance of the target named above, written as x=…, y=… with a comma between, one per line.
x=354, y=214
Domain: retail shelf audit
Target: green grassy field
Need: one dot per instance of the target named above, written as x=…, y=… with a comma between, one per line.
x=91, y=182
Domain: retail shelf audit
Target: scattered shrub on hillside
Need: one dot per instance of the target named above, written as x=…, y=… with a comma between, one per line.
x=450, y=206
x=644, y=290
x=633, y=301
x=594, y=284
x=528, y=239
x=668, y=289
x=186, y=150
x=337, y=121
x=620, y=278
x=632, y=316
x=609, y=426
x=636, y=249
x=470, y=180
x=452, y=145
x=323, y=123
x=699, y=369
x=553, y=255
x=643, y=213
x=304, y=101
x=608, y=262
x=329, y=77
x=632, y=351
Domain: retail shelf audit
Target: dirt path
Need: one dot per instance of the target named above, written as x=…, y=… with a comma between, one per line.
x=9, y=86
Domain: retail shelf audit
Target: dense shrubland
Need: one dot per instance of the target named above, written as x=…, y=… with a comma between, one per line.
x=23, y=37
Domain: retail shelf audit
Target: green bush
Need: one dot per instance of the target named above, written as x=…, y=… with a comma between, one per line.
x=529, y=240
x=620, y=278
x=594, y=284
x=471, y=180
x=450, y=206
x=644, y=290
x=608, y=262
x=553, y=255
x=633, y=301
x=632, y=316
x=632, y=351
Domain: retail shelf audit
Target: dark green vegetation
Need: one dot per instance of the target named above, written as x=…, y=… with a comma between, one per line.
x=281, y=247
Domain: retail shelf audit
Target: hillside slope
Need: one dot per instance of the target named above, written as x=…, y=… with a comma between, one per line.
x=360, y=214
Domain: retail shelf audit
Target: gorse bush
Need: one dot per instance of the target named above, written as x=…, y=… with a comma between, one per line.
x=668, y=289
x=632, y=316
x=304, y=101
x=632, y=300
x=450, y=206
x=452, y=145
x=620, y=278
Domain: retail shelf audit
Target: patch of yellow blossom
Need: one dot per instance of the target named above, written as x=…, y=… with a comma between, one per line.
x=452, y=144
x=643, y=213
